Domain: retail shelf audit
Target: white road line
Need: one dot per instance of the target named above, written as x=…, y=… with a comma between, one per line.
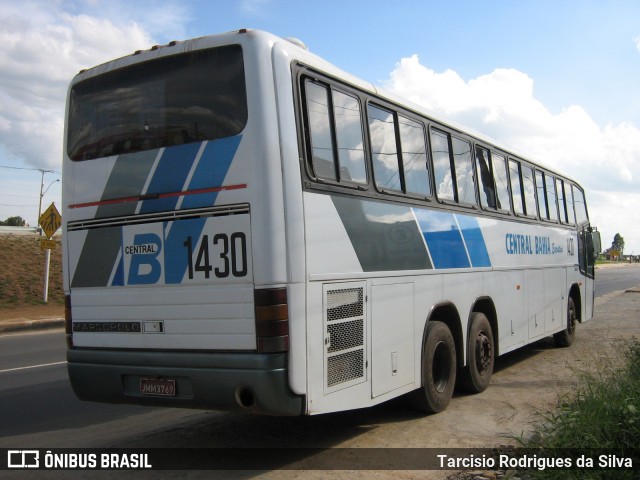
x=32, y=366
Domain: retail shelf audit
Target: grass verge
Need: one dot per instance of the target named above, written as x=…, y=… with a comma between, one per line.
x=601, y=417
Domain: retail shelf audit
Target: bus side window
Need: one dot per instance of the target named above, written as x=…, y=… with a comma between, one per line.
x=501, y=181
x=465, y=180
x=552, y=204
x=571, y=212
x=561, y=201
x=442, y=165
x=485, y=178
x=414, y=157
x=384, y=151
x=335, y=130
x=319, y=126
x=542, y=197
x=516, y=187
x=528, y=188
x=580, y=206
x=348, y=124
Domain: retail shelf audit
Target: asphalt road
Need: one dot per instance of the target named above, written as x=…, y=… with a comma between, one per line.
x=611, y=279
x=39, y=410
x=35, y=395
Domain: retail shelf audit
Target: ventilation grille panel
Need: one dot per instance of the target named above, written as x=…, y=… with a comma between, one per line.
x=345, y=303
x=345, y=367
x=344, y=336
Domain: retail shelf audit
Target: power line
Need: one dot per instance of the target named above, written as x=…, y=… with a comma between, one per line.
x=16, y=168
x=31, y=169
x=22, y=196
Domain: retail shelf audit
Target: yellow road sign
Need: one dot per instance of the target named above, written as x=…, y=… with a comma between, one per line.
x=46, y=244
x=50, y=220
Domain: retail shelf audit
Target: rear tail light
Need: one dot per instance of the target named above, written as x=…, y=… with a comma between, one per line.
x=68, y=321
x=272, y=320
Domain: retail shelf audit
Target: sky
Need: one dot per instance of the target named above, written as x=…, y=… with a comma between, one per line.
x=556, y=80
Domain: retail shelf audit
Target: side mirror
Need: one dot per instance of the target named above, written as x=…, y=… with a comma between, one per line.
x=595, y=239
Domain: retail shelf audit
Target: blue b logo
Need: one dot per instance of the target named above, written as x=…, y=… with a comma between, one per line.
x=144, y=269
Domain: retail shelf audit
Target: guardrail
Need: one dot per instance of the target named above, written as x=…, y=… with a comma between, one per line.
x=21, y=231
x=18, y=230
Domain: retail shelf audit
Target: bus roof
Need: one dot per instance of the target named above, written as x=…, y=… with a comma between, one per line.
x=299, y=52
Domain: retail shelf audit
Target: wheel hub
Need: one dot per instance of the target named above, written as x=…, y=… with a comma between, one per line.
x=483, y=352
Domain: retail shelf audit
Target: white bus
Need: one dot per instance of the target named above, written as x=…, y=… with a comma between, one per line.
x=249, y=228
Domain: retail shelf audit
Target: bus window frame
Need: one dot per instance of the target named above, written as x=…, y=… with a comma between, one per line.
x=398, y=155
x=531, y=167
x=429, y=164
x=474, y=177
x=505, y=159
x=584, y=202
x=541, y=188
x=450, y=135
x=330, y=87
x=397, y=113
x=549, y=177
x=511, y=160
x=429, y=125
x=503, y=211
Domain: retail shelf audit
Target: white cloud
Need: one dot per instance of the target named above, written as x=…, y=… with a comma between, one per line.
x=502, y=105
x=161, y=19
x=254, y=6
x=43, y=49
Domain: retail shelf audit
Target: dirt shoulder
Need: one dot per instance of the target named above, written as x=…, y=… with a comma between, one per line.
x=31, y=317
x=22, y=282
x=32, y=312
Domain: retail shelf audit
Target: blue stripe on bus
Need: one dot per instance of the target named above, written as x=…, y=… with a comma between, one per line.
x=443, y=238
x=476, y=246
x=118, y=278
x=211, y=171
x=170, y=176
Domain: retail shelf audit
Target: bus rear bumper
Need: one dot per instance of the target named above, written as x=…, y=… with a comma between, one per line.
x=246, y=382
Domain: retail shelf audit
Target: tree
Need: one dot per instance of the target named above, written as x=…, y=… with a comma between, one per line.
x=14, y=222
x=618, y=243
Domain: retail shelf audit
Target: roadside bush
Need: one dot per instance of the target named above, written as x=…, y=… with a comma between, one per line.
x=602, y=417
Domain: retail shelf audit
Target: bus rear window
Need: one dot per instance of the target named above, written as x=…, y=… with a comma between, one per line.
x=185, y=98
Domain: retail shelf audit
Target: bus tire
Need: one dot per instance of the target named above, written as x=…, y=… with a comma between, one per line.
x=566, y=337
x=476, y=376
x=438, y=370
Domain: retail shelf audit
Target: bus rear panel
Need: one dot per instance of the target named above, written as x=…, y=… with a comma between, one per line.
x=161, y=173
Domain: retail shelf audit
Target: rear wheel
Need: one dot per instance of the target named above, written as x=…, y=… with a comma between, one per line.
x=476, y=376
x=566, y=337
x=438, y=370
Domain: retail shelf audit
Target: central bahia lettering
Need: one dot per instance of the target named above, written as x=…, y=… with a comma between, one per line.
x=518, y=244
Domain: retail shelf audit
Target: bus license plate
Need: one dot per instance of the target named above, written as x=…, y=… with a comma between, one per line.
x=158, y=386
